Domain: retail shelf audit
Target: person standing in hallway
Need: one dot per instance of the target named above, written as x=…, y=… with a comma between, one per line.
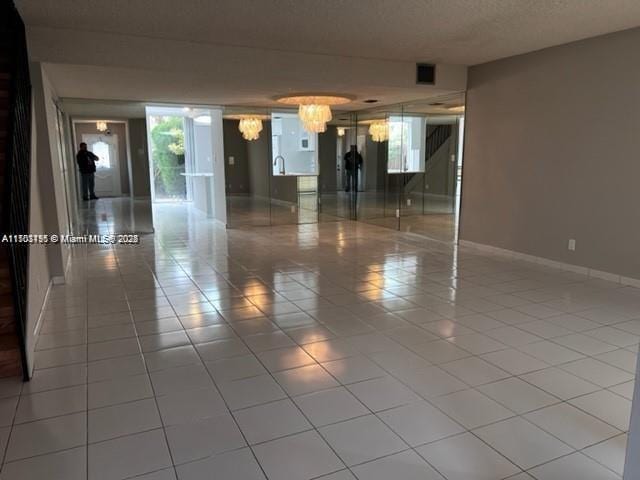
x=352, y=163
x=87, y=166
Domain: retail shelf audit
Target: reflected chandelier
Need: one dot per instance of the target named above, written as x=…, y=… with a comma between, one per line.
x=250, y=128
x=314, y=110
x=101, y=126
x=379, y=131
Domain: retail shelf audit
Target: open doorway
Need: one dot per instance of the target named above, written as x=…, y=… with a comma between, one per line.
x=183, y=143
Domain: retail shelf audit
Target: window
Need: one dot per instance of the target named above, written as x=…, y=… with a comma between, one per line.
x=102, y=150
x=407, y=137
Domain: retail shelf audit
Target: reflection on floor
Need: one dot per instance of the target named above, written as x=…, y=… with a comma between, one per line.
x=116, y=215
x=335, y=350
x=433, y=219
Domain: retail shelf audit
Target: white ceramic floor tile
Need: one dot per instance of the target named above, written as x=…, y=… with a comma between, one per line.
x=51, y=403
x=128, y=456
x=420, y=423
x=299, y=381
x=330, y=406
x=203, y=438
x=236, y=465
x=66, y=465
x=471, y=408
x=571, y=425
x=190, y=406
x=610, y=453
x=401, y=466
x=464, y=457
x=308, y=456
x=573, y=467
x=251, y=391
x=522, y=442
x=362, y=439
x=124, y=419
x=607, y=406
x=563, y=385
x=47, y=436
x=353, y=369
x=597, y=372
x=518, y=395
x=474, y=371
x=383, y=393
x=271, y=420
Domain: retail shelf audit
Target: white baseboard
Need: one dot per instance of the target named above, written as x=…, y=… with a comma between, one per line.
x=612, y=277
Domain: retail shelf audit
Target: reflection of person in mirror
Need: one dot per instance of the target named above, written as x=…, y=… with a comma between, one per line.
x=352, y=163
x=87, y=166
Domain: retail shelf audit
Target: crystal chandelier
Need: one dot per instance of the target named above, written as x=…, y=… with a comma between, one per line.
x=379, y=131
x=101, y=126
x=250, y=127
x=314, y=110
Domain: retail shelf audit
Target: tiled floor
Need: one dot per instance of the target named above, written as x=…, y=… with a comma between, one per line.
x=334, y=351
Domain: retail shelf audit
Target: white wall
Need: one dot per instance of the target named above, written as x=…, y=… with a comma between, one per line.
x=50, y=180
x=112, y=66
x=38, y=275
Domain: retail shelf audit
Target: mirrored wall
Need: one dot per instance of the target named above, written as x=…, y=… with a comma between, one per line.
x=398, y=167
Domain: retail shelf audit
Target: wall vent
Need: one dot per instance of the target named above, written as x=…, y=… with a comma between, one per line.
x=425, y=74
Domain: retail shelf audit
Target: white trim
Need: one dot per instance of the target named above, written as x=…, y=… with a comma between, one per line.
x=43, y=308
x=591, y=272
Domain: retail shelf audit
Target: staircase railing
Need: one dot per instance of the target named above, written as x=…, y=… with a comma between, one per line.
x=14, y=209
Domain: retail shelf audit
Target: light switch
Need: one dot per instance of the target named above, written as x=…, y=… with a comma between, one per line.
x=232, y=160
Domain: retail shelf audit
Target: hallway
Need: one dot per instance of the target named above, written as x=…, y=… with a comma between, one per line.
x=337, y=350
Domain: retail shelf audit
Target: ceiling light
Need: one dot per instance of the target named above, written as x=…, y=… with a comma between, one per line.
x=314, y=110
x=250, y=128
x=379, y=131
x=101, y=126
x=341, y=131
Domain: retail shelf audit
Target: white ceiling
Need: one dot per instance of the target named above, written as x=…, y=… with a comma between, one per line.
x=464, y=32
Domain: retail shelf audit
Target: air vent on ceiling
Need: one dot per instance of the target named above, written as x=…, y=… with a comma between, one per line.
x=425, y=74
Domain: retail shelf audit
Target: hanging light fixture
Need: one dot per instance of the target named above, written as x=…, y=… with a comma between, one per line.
x=379, y=130
x=341, y=131
x=314, y=110
x=249, y=124
x=250, y=128
x=101, y=126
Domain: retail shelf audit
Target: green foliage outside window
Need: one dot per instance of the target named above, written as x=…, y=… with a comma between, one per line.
x=168, y=156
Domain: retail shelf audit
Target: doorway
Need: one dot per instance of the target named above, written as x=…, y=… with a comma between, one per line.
x=107, y=178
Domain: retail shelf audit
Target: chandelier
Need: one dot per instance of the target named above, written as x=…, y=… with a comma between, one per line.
x=250, y=127
x=101, y=126
x=379, y=131
x=314, y=110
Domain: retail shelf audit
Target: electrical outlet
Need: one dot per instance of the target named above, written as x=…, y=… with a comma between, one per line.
x=293, y=209
x=572, y=244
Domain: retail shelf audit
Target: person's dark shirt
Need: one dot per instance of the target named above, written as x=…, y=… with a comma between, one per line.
x=86, y=161
x=348, y=160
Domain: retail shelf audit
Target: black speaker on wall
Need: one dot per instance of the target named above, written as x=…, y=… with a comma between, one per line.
x=425, y=74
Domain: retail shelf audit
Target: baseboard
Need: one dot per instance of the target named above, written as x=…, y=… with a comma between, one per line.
x=612, y=277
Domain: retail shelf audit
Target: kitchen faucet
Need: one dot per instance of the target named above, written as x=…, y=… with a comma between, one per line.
x=275, y=162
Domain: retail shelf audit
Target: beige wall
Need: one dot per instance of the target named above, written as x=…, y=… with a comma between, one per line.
x=139, y=157
x=552, y=153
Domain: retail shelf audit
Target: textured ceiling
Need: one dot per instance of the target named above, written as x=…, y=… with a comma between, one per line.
x=449, y=31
